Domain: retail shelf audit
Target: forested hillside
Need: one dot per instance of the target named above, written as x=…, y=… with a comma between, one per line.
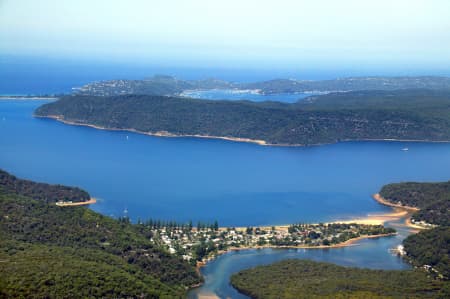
x=401, y=114
x=429, y=248
x=40, y=191
x=55, y=252
x=296, y=279
x=432, y=248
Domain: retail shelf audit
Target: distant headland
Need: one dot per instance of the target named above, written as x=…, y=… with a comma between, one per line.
x=410, y=114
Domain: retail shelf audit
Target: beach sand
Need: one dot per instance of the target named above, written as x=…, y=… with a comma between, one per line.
x=72, y=204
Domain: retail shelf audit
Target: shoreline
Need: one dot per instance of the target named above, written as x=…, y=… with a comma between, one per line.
x=228, y=138
x=408, y=209
x=377, y=219
x=81, y=203
x=385, y=202
x=155, y=134
x=349, y=243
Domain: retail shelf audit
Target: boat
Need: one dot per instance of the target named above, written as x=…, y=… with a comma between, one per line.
x=405, y=149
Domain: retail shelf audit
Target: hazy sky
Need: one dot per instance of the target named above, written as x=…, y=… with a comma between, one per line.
x=343, y=33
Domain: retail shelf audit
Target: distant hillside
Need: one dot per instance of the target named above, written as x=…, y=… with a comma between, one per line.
x=297, y=279
x=48, y=251
x=157, y=85
x=167, y=85
x=350, y=84
x=401, y=114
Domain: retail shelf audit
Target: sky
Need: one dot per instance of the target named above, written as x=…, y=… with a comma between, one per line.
x=240, y=33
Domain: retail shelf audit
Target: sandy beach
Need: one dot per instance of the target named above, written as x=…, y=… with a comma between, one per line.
x=407, y=210
x=81, y=203
x=156, y=134
x=383, y=201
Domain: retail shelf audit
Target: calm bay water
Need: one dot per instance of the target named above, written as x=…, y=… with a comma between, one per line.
x=236, y=183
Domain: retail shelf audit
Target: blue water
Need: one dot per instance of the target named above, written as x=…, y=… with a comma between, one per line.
x=373, y=253
x=236, y=183
x=230, y=94
x=199, y=179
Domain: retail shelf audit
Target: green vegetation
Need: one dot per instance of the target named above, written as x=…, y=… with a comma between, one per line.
x=400, y=114
x=207, y=240
x=307, y=279
x=433, y=200
x=40, y=191
x=430, y=249
x=51, y=251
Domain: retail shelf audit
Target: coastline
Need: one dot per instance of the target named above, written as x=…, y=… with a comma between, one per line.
x=81, y=203
x=409, y=210
x=348, y=243
x=377, y=219
x=385, y=202
x=228, y=138
x=156, y=134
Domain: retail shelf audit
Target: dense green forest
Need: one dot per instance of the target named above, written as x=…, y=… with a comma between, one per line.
x=432, y=248
x=433, y=200
x=40, y=191
x=56, y=252
x=307, y=279
x=429, y=247
x=400, y=114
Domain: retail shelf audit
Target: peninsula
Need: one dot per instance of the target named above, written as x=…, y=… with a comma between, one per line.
x=171, y=86
x=421, y=115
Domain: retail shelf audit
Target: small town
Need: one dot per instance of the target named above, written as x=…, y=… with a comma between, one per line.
x=205, y=241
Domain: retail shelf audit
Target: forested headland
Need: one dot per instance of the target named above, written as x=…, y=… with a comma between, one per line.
x=399, y=114
x=433, y=200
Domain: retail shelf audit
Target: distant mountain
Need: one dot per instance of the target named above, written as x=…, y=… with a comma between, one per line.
x=167, y=85
x=402, y=114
